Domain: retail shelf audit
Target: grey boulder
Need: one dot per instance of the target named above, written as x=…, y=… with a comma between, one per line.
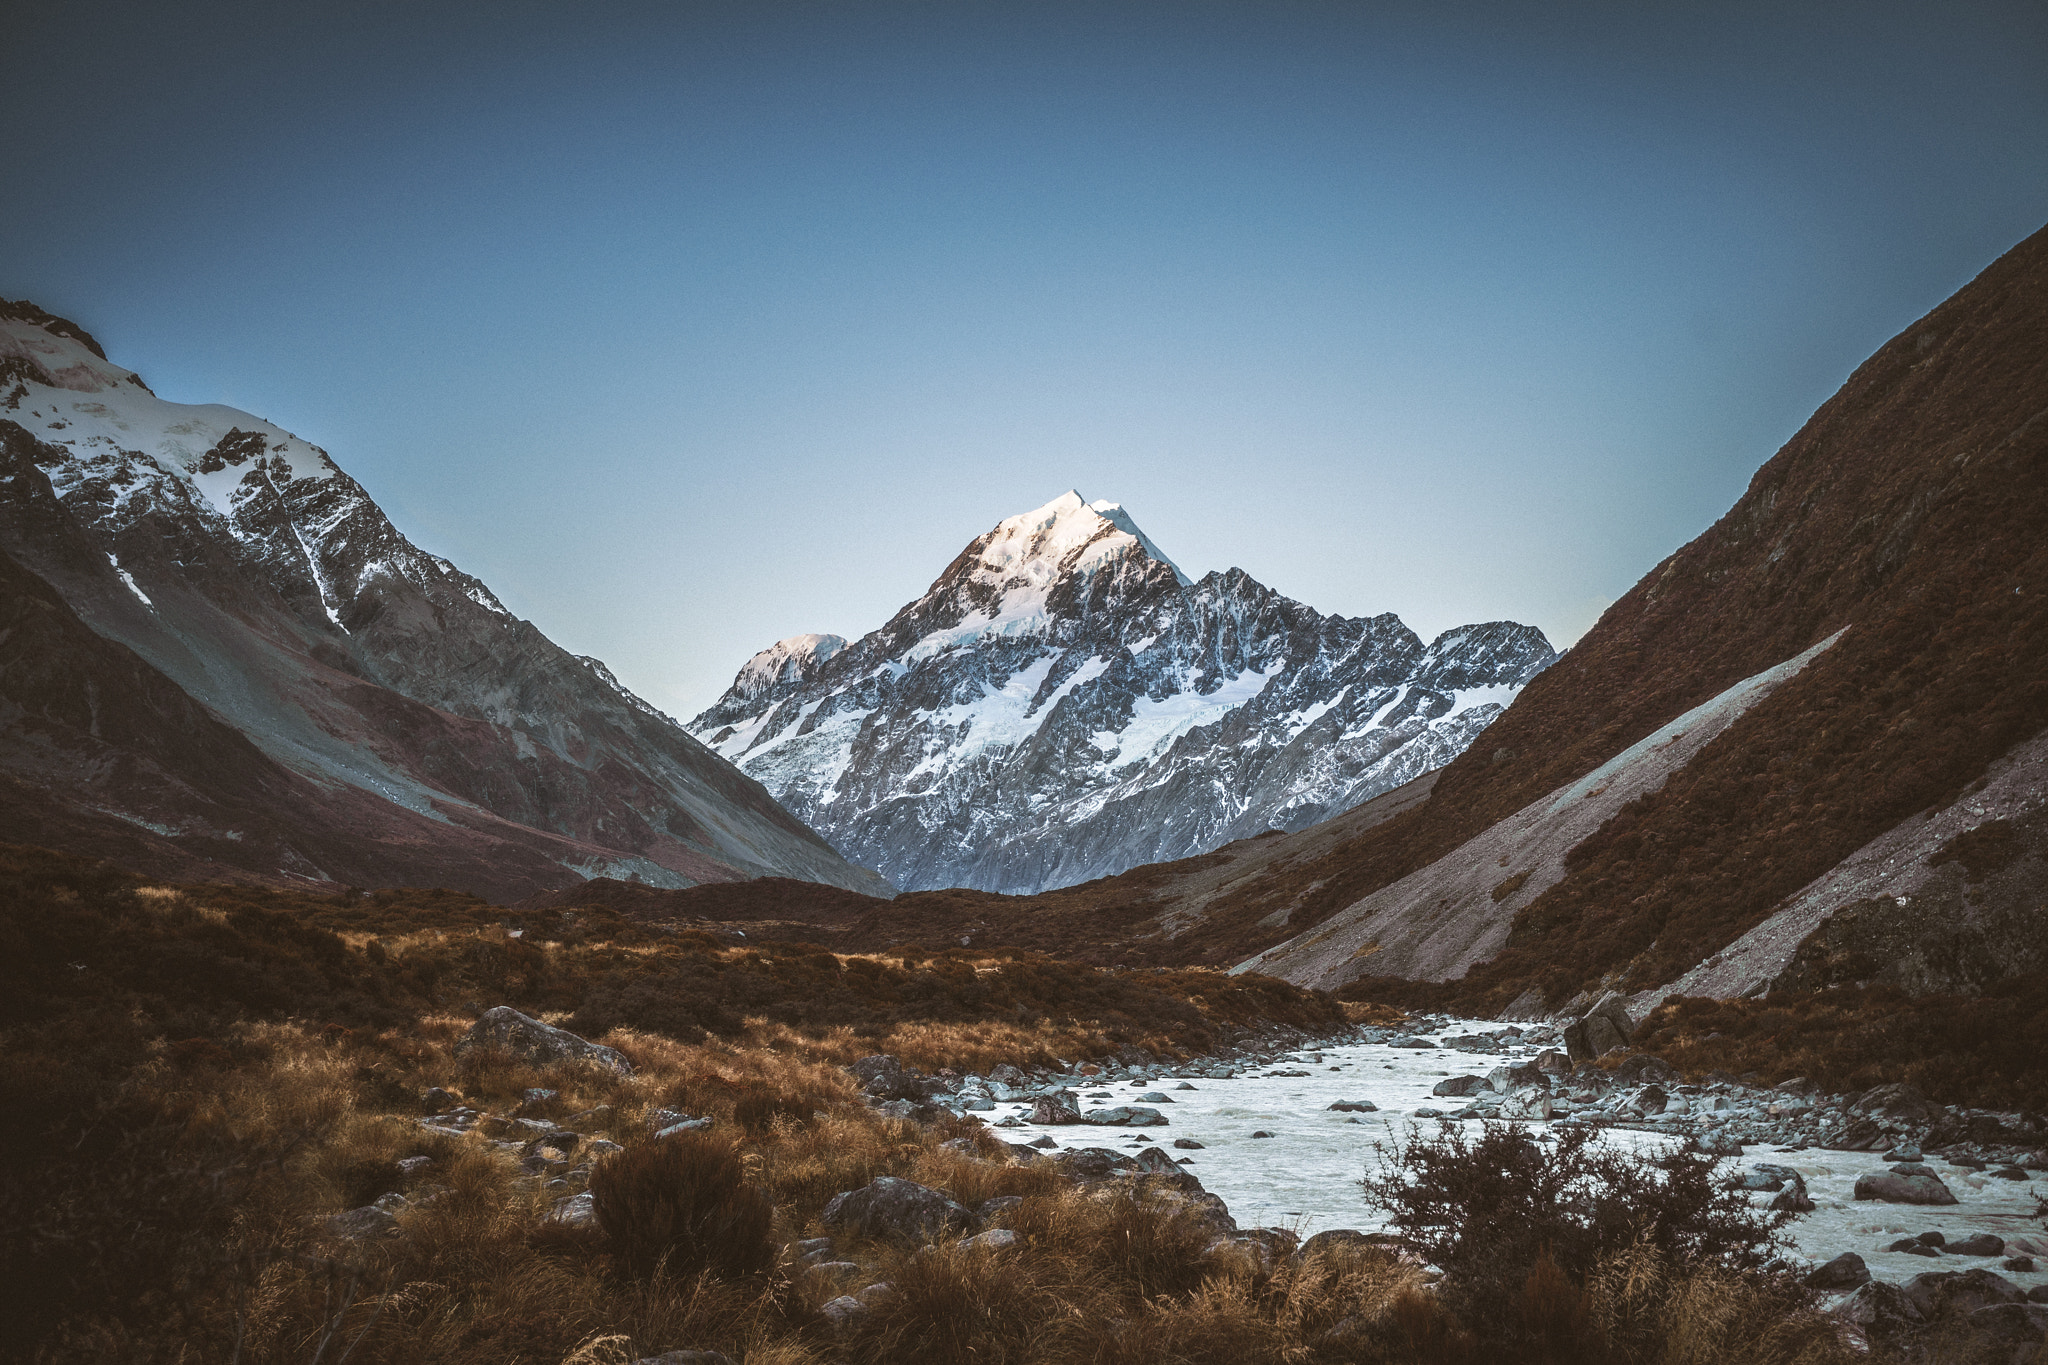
x=889, y=1208
x=1904, y=1189
x=1846, y=1271
x=531, y=1041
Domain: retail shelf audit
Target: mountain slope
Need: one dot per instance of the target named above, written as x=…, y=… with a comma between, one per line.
x=1064, y=703
x=1909, y=517
x=242, y=567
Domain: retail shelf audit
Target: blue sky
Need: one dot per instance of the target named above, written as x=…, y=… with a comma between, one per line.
x=688, y=327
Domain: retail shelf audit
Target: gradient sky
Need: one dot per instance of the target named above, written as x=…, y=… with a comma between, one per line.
x=691, y=326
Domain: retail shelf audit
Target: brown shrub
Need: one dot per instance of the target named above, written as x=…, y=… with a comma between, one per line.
x=683, y=1204
x=952, y=1306
x=1989, y=1050
x=1495, y=1210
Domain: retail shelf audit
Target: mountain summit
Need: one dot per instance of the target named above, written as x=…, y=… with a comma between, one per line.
x=1063, y=703
x=225, y=661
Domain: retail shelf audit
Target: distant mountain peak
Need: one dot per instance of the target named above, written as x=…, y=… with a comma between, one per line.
x=1063, y=702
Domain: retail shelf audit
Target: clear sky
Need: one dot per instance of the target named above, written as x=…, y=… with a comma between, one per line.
x=691, y=326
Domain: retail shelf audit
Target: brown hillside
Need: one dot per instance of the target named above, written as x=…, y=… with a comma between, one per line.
x=1912, y=508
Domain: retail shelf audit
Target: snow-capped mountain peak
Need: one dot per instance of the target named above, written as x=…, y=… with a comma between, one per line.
x=1064, y=703
x=786, y=661
x=1115, y=515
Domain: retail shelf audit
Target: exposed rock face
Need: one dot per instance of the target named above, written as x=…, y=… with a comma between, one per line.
x=1063, y=704
x=405, y=727
x=1605, y=1027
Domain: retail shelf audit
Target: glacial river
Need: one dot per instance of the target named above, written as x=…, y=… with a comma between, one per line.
x=1305, y=1177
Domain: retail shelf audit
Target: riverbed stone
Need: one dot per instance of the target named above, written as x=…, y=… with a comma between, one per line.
x=1846, y=1271
x=1904, y=1189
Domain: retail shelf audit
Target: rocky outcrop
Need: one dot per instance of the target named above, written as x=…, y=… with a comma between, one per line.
x=1604, y=1028
x=1063, y=703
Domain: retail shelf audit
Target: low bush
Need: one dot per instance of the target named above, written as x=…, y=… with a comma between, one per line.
x=1509, y=1217
x=683, y=1204
x=1989, y=1050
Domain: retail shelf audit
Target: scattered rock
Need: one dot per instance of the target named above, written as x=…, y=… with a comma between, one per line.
x=1882, y=1309
x=1354, y=1106
x=1898, y=1101
x=832, y=1270
x=1982, y=1244
x=1457, y=1087
x=1602, y=1029
x=1846, y=1271
x=1644, y=1068
x=2008, y=1332
x=842, y=1311
x=370, y=1223
x=686, y=1358
x=536, y=1043
x=576, y=1211
x=686, y=1126
x=1904, y=1189
x=1939, y=1293
x=996, y=1239
x=1054, y=1110
x=1188, y=1144
x=995, y=1208
x=893, y=1209
x=1125, y=1116
x=1089, y=1164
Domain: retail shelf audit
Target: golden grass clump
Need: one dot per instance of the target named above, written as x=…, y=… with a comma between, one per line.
x=683, y=1204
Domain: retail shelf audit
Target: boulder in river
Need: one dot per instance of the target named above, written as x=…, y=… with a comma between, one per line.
x=1125, y=1116
x=1054, y=1110
x=1904, y=1189
x=1846, y=1271
x=1457, y=1087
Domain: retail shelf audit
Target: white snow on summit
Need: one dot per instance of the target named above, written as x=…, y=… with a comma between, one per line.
x=1055, y=707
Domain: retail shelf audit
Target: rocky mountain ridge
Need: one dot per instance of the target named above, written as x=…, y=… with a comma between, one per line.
x=1064, y=703
x=406, y=726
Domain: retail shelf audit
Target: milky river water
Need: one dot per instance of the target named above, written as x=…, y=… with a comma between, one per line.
x=1306, y=1175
